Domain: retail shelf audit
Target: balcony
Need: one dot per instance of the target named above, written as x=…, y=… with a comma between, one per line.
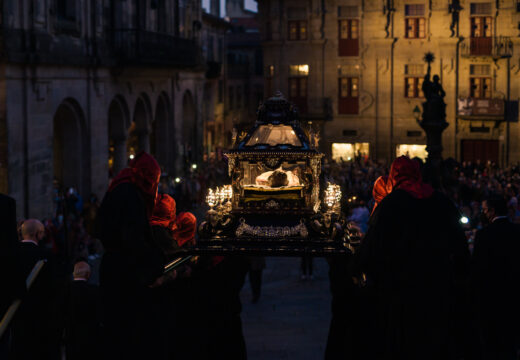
x=139, y=47
x=496, y=47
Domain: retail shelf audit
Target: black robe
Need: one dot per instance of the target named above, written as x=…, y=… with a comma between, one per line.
x=130, y=264
x=495, y=287
x=416, y=259
x=82, y=321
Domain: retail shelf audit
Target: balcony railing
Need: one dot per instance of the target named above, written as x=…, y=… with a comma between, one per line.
x=139, y=47
x=496, y=47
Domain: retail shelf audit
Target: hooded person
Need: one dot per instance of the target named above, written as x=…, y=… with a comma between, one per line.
x=186, y=227
x=382, y=187
x=415, y=258
x=164, y=224
x=132, y=261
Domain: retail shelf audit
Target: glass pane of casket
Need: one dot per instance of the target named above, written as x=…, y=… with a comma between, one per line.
x=274, y=135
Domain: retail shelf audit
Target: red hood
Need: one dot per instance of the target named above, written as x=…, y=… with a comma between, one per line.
x=382, y=187
x=186, y=229
x=164, y=212
x=405, y=174
x=144, y=172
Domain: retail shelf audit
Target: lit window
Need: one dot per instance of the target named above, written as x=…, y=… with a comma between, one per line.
x=415, y=23
x=348, y=151
x=299, y=70
x=412, y=150
x=414, y=76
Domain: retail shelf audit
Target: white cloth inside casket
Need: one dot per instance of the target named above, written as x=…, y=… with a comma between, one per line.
x=262, y=179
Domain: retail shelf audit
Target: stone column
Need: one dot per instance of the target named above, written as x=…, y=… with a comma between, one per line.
x=120, y=158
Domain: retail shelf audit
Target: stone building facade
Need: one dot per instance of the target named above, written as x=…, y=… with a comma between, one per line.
x=361, y=62
x=244, y=83
x=85, y=85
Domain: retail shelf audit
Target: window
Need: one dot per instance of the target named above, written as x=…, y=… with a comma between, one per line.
x=414, y=76
x=297, y=30
x=480, y=81
x=415, y=23
x=67, y=21
x=348, y=44
x=211, y=49
x=269, y=74
x=411, y=150
x=66, y=10
x=481, y=41
x=348, y=151
x=480, y=87
x=298, y=75
x=268, y=31
x=348, y=95
x=231, y=98
x=480, y=8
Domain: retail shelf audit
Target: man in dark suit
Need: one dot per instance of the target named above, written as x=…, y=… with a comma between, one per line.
x=82, y=324
x=496, y=281
x=35, y=332
x=11, y=276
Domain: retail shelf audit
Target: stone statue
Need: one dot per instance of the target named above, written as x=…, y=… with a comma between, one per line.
x=434, y=108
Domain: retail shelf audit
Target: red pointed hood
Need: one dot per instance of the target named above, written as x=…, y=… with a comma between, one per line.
x=144, y=172
x=405, y=174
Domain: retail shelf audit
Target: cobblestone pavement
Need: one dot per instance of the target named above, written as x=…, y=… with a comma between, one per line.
x=291, y=320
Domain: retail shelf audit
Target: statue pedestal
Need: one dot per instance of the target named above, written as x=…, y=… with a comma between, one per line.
x=433, y=130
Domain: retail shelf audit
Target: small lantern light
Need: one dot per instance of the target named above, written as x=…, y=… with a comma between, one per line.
x=332, y=195
x=211, y=198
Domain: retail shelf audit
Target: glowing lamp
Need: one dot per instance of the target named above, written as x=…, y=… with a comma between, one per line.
x=464, y=220
x=211, y=198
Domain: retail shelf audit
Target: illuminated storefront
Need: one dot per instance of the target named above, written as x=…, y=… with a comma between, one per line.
x=412, y=150
x=347, y=151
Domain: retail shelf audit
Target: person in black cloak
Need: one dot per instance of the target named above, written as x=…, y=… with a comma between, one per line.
x=350, y=325
x=416, y=258
x=495, y=280
x=11, y=274
x=132, y=263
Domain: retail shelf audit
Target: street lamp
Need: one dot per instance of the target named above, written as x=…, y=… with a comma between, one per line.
x=417, y=113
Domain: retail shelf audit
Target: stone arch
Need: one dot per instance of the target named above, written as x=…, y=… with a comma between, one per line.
x=139, y=131
x=118, y=124
x=189, y=128
x=71, y=165
x=161, y=146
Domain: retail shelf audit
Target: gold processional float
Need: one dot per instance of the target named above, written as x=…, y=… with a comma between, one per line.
x=273, y=206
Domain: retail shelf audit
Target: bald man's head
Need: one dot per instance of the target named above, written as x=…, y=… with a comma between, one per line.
x=32, y=229
x=81, y=271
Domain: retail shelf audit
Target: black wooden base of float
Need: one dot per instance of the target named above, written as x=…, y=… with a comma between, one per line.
x=293, y=247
